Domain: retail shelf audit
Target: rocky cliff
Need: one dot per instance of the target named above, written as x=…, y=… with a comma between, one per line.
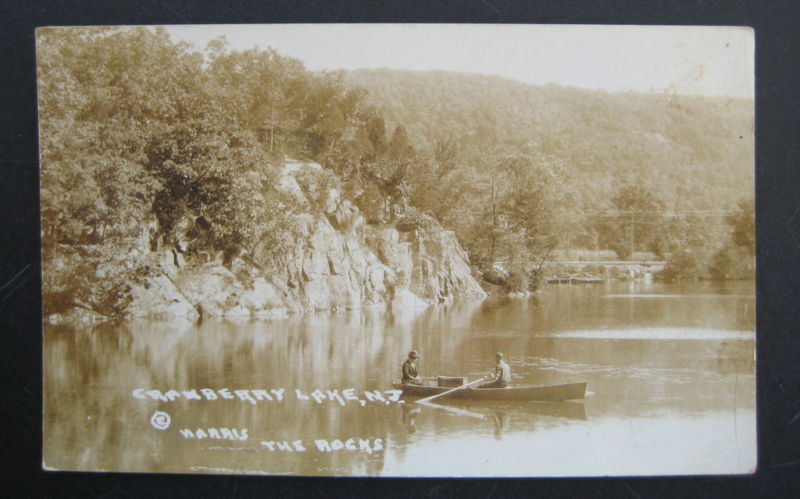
x=334, y=261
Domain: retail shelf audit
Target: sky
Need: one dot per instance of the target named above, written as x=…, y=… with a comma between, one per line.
x=709, y=61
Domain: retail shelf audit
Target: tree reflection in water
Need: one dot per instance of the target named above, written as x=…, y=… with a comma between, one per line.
x=679, y=379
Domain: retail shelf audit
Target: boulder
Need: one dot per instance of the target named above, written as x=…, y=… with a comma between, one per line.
x=159, y=296
x=404, y=298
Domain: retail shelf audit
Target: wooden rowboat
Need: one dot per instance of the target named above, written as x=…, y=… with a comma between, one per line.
x=569, y=391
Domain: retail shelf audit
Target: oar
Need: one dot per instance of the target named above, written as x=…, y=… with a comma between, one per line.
x=462, y=412
x=448, y=392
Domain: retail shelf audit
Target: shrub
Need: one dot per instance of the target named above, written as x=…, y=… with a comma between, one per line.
x=733, y=263
x=518, y=282
x=684, y=265
x=414, y=220
x=317, y=184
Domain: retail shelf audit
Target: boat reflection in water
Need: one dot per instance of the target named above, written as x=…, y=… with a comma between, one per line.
x=527, y=416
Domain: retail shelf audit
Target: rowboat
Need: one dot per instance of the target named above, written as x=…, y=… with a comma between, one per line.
x=569, y=391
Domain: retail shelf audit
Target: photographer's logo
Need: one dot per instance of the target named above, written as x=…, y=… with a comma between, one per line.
x=160, y=420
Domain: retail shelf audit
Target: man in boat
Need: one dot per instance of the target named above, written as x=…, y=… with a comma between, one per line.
x=501, y=376
x=410, y=376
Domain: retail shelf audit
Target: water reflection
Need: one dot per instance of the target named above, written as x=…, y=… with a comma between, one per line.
x=502, y=421
x=682, y=359
x=410, y=413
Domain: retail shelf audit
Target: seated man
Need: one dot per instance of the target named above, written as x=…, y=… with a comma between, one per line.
x=410, y=369
x=501, y=375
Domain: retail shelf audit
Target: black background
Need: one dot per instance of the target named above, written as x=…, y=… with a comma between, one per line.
x=776, y=24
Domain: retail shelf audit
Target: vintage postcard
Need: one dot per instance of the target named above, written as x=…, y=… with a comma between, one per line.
x=398, y=250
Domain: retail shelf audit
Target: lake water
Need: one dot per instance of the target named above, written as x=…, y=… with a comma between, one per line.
x=670, y=368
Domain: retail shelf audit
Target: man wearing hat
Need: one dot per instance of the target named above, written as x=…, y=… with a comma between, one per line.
x=410, y=369
x=501, y=376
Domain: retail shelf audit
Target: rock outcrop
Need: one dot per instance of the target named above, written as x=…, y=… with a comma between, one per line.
x=336, y=261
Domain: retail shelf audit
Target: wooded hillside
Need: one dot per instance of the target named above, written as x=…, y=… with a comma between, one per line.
x=693, y=152
x=148, y=146
x=636, y=172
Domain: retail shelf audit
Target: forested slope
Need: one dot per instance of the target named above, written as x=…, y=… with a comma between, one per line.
x=693, y=152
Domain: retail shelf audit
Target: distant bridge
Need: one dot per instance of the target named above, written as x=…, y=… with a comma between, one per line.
x=649, y=266
x=620, y=263
x=654, y=264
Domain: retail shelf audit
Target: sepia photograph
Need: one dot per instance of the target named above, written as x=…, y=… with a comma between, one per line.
x=400, y=250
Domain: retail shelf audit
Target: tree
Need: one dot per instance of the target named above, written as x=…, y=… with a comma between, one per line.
x=97, y=105
x=483, y=237
x=743, y=223
x=399, y=146
x=390, y=176
x=519, y=211
x=736, y=260
x=259, y=90
x=133, y=154
x=438, y=178
x=637, y=223
x=536, y=203
x=376, y=134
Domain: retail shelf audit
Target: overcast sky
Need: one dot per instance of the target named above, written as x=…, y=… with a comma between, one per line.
x=683, y=60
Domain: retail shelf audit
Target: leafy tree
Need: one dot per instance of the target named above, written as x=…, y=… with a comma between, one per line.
x=743, y=223
x=736, y=260
x=95, y=191
x=638, y=223
x=535, y=206
x=390, y=176
x=399, y=146
x=134, y=155
x=258, y=90
x=440, y=183
x=733, y=262
x=376, y=134
x=519, y=211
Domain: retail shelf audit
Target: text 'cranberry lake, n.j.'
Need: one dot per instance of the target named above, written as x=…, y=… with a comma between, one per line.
x=254, y=396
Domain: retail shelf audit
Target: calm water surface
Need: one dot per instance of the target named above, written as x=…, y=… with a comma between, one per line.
x=670, y=371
